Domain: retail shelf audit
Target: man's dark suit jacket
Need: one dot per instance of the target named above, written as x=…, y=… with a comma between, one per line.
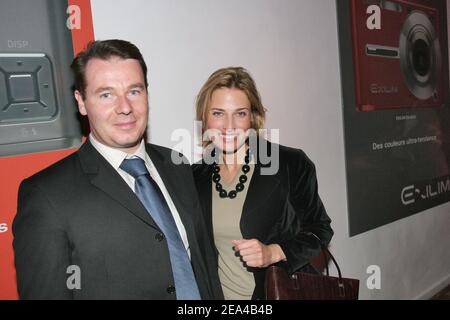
x=80, y=212
x=283, y=208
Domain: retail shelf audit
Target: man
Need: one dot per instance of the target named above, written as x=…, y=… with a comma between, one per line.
x=117, y=219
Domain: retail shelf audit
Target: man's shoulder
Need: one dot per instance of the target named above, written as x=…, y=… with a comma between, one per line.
x=62, y=170
x=163, y=151
x=166, y=154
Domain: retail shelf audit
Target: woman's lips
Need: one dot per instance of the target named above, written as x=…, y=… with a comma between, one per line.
x=228, y=137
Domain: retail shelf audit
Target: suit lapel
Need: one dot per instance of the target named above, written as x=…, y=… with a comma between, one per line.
x=259, y=191
x=103, y=176
x=174, y=186
x=204, y=188
x=183, y=196
x=260, y=203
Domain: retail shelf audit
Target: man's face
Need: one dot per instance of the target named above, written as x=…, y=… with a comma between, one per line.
x=115, y=102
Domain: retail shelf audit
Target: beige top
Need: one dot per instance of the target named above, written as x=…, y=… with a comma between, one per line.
x=237, y=283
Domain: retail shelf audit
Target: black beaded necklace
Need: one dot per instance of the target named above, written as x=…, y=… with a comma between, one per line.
x=242, y=179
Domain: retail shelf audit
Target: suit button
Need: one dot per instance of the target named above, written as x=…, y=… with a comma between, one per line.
x=159, y=237
x=170, y=289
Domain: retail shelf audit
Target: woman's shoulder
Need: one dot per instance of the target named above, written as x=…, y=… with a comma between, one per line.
x=293, y=155
x=292, y=152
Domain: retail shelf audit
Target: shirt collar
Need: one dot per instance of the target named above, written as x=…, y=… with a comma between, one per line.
x=114, y=156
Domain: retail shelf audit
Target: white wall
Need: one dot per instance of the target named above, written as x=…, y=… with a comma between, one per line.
x=291, y=48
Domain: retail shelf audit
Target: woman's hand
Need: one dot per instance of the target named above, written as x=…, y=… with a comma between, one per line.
x=256, y=254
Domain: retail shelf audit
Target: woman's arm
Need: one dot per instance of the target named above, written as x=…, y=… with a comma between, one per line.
x=311, y=222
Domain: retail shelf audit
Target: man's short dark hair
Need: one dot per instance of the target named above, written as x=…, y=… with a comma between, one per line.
x=104, y=50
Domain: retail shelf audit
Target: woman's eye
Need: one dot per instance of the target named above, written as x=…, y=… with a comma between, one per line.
x=242, y=114
x=217, y=113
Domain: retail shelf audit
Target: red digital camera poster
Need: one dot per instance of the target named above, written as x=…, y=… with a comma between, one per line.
x=395, y=86
x=39, y=122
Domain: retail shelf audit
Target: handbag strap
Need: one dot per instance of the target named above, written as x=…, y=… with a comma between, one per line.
x=324, y=252
x=325, y=260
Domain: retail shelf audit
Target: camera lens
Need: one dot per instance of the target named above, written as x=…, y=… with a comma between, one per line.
x=421, y=57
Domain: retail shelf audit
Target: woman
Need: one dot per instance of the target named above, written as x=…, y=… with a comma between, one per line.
x=254, y=219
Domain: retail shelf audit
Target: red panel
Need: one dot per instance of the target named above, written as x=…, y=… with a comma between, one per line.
x=16, y=168
x=80, y=37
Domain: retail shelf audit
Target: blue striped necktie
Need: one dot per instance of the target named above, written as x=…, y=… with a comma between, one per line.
x=153, y=200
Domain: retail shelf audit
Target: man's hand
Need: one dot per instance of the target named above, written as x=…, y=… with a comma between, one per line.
x=256, y=254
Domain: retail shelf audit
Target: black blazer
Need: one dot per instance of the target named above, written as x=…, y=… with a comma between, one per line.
x=283, y=209
x=80, y=212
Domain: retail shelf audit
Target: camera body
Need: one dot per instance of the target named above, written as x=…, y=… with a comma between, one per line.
x=403, y=64
x=37, y=109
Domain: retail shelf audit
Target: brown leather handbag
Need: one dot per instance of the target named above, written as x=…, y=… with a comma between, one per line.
x=280, y=285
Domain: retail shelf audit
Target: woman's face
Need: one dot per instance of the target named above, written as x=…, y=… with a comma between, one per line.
x=229, y=119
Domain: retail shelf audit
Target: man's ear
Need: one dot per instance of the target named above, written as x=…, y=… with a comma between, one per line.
x=81, y=105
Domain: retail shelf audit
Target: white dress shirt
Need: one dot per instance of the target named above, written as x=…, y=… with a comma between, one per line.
x=115, y=158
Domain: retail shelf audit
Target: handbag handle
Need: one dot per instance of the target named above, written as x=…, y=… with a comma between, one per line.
x=325, y=250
